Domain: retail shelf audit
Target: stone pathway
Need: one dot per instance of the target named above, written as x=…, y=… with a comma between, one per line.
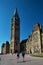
x=12, y=60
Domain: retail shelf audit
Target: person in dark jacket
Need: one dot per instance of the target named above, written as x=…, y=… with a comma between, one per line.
x=18, y=55
x=23, y=56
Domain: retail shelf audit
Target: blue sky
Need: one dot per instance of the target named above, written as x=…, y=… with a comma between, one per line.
x=30, y=12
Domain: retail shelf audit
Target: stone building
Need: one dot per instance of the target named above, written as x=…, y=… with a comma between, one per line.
x=23, y=45
x=5, y=48
x=42, y=41
x=15, y=33
x=29, y=44
x=35, y=41
x=36, y=38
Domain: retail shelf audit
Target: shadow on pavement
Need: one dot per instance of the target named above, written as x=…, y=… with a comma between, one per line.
x=21, y=61
x=0, y=59
x=24, y=61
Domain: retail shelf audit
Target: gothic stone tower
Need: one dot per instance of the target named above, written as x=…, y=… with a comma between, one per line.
x=15, y=33
x=36, y=38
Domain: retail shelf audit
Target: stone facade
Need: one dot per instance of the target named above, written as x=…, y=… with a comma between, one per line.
x=35, y=41
x=5, y=48
x=15, y=33
x=29, y=44
x=42, y=41
x=23, y=45
x=36, y=38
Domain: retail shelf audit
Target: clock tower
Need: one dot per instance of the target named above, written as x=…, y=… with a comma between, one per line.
x=15, y=33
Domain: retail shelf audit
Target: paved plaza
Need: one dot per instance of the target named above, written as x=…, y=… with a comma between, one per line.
x=10, y=59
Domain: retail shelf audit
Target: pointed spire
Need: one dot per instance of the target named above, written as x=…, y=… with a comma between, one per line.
x=16, y=13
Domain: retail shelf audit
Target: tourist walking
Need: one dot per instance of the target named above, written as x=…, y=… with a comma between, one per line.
x=23, y=56
x=18, y=55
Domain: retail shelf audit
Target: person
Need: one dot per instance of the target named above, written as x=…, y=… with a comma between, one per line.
x=18, y=55
x=23, y=55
